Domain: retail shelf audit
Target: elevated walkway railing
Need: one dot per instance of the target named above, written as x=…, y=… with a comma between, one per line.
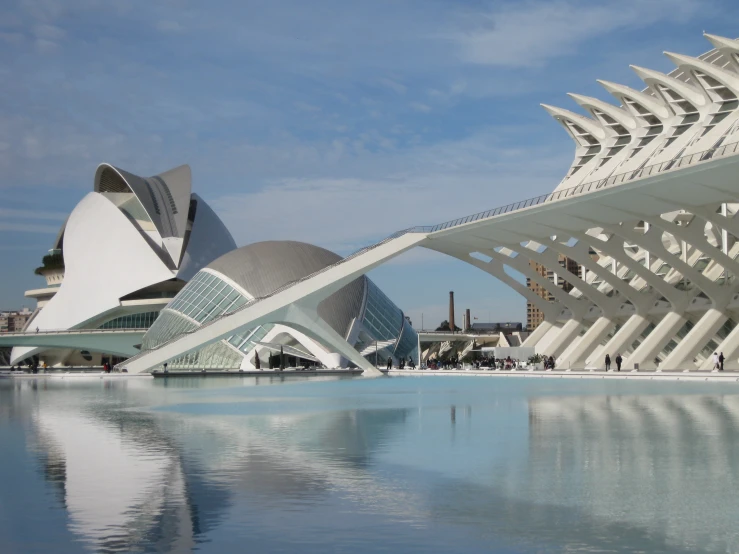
x=72, y=332
x=584, y=188
x=620, y=178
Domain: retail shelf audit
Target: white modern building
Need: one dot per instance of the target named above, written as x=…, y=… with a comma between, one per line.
x=359, y=314
x=653, y=192
x=124, y=252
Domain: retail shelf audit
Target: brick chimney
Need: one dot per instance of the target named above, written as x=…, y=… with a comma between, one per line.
x=451, y=311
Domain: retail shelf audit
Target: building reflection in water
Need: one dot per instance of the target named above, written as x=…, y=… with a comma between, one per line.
x=584, y=473
x=649, y=460
x=133, y=480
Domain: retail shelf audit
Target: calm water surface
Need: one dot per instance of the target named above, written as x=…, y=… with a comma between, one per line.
x=432, y=465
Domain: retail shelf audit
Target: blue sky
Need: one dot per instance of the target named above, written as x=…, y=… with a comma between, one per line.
x=328, y=121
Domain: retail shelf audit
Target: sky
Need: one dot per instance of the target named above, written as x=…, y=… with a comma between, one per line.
x=330, y=122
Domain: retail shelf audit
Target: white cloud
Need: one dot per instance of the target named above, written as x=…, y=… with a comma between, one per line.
x=306, y=107
x=420, y=107
x=49, y=32
x=168, y=26
x=530, y=33
x=384, y=191
x=44, y=46
x=393, y=85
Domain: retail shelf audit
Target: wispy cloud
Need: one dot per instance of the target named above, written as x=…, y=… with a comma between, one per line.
x=531, y=33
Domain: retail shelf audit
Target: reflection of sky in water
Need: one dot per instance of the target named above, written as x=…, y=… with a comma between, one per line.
x=400, y=465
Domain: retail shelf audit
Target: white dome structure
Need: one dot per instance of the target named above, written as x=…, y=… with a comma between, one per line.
x=358, y=312
x=126, y=249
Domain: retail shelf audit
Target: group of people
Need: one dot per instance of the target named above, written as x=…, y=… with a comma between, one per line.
x=618, y=359
x=107, y=368
x=718, y=361
x=401, y=363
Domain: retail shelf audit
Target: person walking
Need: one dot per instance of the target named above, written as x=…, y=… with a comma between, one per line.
x=608, y=363
x=721, y=361
x=618, y=362
x=389, y=363
x=716, y=363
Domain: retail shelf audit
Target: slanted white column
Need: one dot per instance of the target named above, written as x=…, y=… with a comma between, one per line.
x=545, y=342
x=307, y=320
x=627, y=334
x=538, y=334
x=578, y=351
x=564, y=338
x=730, y=348
x=682, y=356
x=652, y=345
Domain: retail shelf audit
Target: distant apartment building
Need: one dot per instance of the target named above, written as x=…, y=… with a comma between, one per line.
x=14, y=321
x=534, y=316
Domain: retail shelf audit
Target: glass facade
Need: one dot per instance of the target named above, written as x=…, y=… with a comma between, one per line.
x=246, y=340
x=169, y=324
x=383, y=320
x=132, y=321
x=206, y=297
x=217, y=355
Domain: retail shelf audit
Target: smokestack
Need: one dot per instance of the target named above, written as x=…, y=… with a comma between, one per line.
x=468, y=320
x=451, y=311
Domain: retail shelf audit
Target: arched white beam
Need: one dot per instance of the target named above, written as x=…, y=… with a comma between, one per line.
x=580, y=253
x=304, y=317
x=730, y=224
x=567, y=118
x=577, y=306
x=548, y=258
x=591, y=104
x=652, y=104
x=723, y=43
x=696, y=238
x=551, y=310
x=314, y=348
x=727, y=79
x=652, y=242
x=728, y=47
x=652, y=78
x=614, y=247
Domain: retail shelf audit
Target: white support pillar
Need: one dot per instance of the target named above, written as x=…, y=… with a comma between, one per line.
x=730, y=348
x=538, y=333
x=652, y=345
x=682, y=356
x=578, y=351
x=545, y=341
x=307, y=320
x=627, y=334
x=569, y=332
